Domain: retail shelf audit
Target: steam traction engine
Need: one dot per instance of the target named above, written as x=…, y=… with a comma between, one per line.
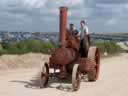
x=68, y=59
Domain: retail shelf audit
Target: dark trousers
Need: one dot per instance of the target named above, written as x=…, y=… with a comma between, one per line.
x=83, y=50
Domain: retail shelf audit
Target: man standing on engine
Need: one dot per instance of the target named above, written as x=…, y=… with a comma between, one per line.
x=84, y=38
x=72, y=30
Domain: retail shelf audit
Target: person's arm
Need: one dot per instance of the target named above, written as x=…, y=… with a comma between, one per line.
x=78, y=34
x=87, y=35
x=87, y=30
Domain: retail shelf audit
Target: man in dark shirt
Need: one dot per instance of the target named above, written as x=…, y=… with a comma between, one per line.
x=72, y=30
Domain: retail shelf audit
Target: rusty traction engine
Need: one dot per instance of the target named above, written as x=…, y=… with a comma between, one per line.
x=68, y=59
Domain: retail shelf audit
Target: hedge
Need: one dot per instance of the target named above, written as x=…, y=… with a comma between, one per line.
x=26, y=46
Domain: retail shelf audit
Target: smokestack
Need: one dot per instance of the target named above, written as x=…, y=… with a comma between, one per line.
x=63, y=25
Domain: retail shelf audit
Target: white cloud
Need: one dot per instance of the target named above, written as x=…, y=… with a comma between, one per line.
x=99, y=13
x=68, y=2
x=126, y=6
x=112, y=22
x=34, y=3
x=42, y=3
x=73, y=2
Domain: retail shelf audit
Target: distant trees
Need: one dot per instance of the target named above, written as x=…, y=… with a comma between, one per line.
x=108, y=46
x=26, y=46
x=37, y=46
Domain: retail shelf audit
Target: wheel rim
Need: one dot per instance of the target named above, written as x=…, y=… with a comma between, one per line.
x=44, y=75
x=76, y=77
x=94, y=56
x=97, y=60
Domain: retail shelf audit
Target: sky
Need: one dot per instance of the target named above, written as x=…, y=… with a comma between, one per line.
x=43, y=15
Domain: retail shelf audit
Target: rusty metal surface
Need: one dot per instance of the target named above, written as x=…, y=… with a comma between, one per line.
x=94, y=55
x=68, y=55
x=63, y=56
x=72, y=42
x=85, y=64
x=63, y=25
x=68, y=50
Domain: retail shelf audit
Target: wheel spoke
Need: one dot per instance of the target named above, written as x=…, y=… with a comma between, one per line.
x=76, y=77
x=44, y=75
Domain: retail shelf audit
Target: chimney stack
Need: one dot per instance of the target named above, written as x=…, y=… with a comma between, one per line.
x=63, y=25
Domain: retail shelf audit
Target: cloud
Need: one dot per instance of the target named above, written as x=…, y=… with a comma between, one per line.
x=43, y=15
x=111, y=22
x=110, y=1
x=34, y=3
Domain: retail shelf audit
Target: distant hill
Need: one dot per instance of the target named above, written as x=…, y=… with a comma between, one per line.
x=113, y=33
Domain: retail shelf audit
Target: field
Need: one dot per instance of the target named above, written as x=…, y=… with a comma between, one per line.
x=113, y=79
x=30, y=60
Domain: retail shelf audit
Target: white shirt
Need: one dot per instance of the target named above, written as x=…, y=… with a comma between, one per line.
x=83, y=31
x=86, y=29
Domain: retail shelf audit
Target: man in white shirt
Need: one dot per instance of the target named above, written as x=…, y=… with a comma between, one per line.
x=84, y=38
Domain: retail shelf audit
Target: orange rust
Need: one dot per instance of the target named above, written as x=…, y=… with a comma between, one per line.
x=63, y=24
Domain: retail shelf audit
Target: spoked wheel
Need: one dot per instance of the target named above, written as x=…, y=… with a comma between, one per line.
x=94, y=57
x=76, y=77
x=44, y=76
x=92, y=72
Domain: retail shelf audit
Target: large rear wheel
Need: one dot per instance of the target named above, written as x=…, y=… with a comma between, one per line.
x=92, y=72
x=94, y=57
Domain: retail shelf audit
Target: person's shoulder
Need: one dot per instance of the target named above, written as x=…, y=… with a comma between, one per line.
x=76, y=30
x=85, y=27
x=80, y=29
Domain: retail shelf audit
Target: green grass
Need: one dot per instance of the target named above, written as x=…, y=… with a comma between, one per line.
x=26, y=46
x=36, y=46
x=108, y=46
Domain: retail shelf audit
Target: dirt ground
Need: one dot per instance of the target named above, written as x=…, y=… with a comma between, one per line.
x=113, y=81
x=30, y=60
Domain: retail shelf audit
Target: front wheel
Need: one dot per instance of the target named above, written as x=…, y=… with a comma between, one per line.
x=76, y=77
x=44, y=76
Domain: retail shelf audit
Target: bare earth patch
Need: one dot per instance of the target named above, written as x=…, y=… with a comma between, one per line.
x=30, y=60
x=113, y=80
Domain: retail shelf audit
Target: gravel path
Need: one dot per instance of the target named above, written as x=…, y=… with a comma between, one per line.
x=113, y=81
